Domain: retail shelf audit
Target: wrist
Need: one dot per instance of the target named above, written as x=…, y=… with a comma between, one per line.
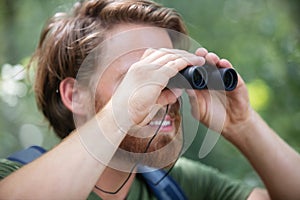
x=101, y=135
x=238, y=132
x=115, y=118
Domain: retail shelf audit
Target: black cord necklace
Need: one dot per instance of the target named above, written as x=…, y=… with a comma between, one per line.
x=135, y=165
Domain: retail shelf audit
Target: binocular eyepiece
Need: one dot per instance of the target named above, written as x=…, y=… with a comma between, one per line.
x=205, y=77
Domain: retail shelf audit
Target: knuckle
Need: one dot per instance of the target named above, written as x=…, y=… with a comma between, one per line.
x=172, y=57
x=149, y=51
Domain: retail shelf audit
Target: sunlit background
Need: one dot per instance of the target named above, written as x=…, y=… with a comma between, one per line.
x=260, y=38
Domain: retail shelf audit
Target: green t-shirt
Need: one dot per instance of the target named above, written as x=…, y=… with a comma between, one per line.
x=197, y=181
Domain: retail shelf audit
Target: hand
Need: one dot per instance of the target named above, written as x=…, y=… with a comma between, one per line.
x=141, y=93
x=235, y=103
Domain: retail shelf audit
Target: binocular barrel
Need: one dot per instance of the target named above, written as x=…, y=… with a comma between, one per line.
x=205, y=77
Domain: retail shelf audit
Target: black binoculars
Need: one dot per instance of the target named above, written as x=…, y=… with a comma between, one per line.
x=205, y=77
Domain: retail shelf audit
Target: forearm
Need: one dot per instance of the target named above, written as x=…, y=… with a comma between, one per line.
x=55, y=175
x=68, y=171
x=274, y=160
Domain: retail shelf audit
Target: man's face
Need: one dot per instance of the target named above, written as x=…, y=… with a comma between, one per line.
x=125, y=46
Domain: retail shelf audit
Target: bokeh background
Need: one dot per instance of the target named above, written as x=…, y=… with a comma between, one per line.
x=260, y=38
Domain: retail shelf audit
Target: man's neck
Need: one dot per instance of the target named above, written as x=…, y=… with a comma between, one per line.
x=110, y=181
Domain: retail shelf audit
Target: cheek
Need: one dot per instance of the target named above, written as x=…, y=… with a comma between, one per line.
x=102, y=95
x=104, y=92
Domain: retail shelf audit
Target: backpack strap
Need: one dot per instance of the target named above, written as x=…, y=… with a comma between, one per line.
x=164, y=187
x=27, y=155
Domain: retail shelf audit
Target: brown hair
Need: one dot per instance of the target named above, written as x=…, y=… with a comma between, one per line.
x=68, y=38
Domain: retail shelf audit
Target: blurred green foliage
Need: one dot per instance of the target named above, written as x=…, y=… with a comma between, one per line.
x=260, y=38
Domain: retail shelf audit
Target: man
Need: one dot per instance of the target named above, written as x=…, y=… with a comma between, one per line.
x=102, y=82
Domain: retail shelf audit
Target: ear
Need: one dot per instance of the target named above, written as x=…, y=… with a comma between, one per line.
x=71, y=96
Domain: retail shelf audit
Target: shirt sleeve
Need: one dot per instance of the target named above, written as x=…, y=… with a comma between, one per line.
x=202, y=182
x=7, y=167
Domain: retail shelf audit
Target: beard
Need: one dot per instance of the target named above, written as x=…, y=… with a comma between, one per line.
x=152, y=145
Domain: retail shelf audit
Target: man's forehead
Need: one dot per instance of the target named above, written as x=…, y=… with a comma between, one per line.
x=137, y=36
x=124, y=40
x=132, y=40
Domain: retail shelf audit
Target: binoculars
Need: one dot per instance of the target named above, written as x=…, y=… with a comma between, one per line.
x=205, y=77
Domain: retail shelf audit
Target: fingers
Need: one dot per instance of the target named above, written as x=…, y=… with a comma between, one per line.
x=213, y=59
x=225, y=63
x=170, y=61
x=163, y=56
x=169, y=96
x=183, y=59
x=172, y=67
x=201, y=52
